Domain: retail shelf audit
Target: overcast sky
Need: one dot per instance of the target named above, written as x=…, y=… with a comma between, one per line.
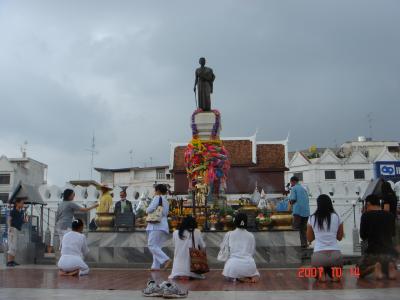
x=125, y=70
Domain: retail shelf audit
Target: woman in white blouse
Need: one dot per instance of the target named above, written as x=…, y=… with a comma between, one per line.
x=241, y=243
x=183, y=242
x=73, y=250
x=326, y=228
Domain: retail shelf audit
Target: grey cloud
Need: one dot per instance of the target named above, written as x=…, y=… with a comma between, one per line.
x=126, y=69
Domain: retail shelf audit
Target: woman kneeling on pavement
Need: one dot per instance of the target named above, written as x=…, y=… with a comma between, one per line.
x=73, y=250
x=241, y=243
x=183, y=242
x=326, y=228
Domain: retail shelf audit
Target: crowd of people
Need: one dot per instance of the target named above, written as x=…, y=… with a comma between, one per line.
x=324, y=227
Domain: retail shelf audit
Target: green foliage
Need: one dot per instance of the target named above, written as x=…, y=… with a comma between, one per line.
x=140, y=213
x=226, y=211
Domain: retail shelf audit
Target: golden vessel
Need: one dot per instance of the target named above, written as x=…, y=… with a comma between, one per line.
x=104, y=221
x=282, y=220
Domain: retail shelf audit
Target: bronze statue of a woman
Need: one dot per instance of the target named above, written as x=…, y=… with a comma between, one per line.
x=204, y=81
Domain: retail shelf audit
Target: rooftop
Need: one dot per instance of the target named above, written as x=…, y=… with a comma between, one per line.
x=246, y=152
x=116, y=170
x=23, y=160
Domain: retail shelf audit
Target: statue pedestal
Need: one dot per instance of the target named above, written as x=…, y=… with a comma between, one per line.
x=204, y=122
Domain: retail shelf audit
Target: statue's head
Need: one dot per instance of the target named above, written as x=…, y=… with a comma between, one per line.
x=202, y=61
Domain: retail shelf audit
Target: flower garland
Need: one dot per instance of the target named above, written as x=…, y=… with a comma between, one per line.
x=209, y=160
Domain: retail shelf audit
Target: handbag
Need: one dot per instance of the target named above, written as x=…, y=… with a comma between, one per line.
x=198, y=259
x=156, y=216
x=224, y=252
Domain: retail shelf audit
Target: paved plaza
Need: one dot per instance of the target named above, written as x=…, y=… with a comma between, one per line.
x=43, y=282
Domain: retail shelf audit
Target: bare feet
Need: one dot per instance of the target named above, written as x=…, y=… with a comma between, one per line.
x=322, y=278
x=335, y=279
x=392, y=273
x=249, y=279
x=182, y=278
x=72, y=273
x=255, y=279
x=167, y=264
x=378, y=271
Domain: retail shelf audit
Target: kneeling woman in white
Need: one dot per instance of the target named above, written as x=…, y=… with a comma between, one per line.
x=241, y=244
x=183, y=242
x=73, y=250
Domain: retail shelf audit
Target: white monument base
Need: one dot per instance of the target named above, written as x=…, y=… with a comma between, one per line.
x=205, y=122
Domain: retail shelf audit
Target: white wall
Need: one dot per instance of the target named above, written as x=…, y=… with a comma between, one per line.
x=29, y=172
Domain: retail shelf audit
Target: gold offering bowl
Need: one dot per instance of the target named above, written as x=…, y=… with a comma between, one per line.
x=282, y=220
x=248, y=208
x=104, y=221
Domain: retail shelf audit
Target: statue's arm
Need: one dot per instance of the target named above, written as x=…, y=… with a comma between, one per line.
x=212, y=82
x=195, y=81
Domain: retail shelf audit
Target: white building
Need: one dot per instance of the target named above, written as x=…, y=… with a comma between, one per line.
x=344, y=174
x=25, y=170
x=142, y=179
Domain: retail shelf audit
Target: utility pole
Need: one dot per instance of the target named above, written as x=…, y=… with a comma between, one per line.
x=131, y=157
x=92, y=151
x=131, y=161
x=24, y=149
x=369, y=118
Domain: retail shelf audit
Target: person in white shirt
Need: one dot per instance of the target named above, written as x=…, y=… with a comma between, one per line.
x=158, y=232
x=326, y=228
x=183, y=242
x=240, y=264
x=73, y=250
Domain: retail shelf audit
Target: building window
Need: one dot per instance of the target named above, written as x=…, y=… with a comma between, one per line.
x=299, y=175
x=330, y=175
x=359, y=174
x=5, y=178
x=160, y=174
x=4, y=197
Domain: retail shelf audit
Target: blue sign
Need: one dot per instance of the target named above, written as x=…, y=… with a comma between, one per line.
x=388, y=170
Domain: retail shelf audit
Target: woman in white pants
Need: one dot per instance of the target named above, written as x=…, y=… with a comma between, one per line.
x=73, y=250
x=158, y=232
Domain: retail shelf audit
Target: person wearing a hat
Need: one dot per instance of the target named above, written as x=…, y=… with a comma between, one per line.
x=15, y=221
x=105, y=200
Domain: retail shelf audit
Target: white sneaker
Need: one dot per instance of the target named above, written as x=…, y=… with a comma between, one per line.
x=172, y=291
x=152, y=290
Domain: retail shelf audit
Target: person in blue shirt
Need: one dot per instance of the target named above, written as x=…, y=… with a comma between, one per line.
x=158, y=232
x=15, y=221
x=300, y=209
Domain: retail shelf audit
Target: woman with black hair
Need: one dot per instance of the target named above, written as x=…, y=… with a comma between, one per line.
x=65, y=214
x=157, y=233
x=326, y=228
x=240, y=264
x=389, y=198
x=73, y=250
x=182, y=239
